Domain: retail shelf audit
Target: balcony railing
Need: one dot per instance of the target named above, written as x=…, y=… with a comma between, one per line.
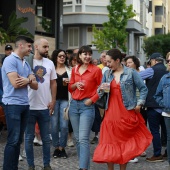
x=93, y=6
x=43, y=24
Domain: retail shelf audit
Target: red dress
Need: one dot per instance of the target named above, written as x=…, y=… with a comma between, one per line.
x=123, y=133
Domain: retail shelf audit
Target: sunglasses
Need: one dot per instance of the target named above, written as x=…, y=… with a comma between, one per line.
x=60, y=56
x=167, y=61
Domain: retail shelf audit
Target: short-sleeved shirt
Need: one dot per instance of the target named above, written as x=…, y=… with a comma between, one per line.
x=11, y=95
x=44, y=72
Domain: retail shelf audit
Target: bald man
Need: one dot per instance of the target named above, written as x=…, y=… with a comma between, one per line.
x=41, y=102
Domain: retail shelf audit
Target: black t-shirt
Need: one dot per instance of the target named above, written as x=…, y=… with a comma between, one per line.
x=62, y=91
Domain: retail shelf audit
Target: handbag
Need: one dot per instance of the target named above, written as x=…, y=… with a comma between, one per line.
x=101, y=102
x=66, y=111
x=65, y=115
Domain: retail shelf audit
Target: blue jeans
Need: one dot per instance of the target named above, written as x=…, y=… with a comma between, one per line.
x=59, y=124
x=42, y=117
x=167, y=123
x=82, y=118
x=16, y=119
x=154, y=120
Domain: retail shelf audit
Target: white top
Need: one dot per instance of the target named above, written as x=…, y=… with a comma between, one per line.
x=165, y=114
x=44, y=71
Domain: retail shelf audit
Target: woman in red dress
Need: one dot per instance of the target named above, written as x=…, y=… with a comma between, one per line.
x=123, y=128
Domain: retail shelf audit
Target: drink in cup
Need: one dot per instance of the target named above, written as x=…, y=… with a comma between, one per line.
x=65, y=81
x=106, y=87
x=82, y=84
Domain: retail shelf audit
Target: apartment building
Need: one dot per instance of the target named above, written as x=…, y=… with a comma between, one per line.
x=160, y=16
x=44, y=19
x=80, y=15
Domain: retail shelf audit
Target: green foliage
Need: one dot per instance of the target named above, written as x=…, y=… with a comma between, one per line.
x=158, y=43
x=47, y=25
x=113, y=34
x=14, y=29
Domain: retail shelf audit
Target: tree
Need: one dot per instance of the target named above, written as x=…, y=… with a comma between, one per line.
x=157, y=43
x=14, y=29
x=114, y=33
x=3, y=35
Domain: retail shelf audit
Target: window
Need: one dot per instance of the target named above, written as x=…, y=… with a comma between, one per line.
x=78, y=1
x=90, y=36
x=73, y=37
x=39, y=11
x=67, y=2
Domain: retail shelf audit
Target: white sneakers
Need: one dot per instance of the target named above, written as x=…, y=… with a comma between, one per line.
x=70, y=143
x=20, y=158
x=135, y=160
x=37, y=142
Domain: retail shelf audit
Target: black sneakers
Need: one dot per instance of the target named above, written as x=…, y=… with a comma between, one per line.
x=60, y=153
x=63, y=154
x=56, y=153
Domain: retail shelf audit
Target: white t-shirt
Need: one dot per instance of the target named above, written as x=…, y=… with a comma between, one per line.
x=44, y=71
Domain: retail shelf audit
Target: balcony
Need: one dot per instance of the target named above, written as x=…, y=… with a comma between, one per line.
x=90, y=6
x=43, y=25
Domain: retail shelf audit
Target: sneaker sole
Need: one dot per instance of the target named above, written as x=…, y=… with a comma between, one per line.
x=56, y=157
x=155, y=161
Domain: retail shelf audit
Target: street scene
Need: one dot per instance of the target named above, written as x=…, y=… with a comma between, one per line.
x=85, y=84
x=71, y=163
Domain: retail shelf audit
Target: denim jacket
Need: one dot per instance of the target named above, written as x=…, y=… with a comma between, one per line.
x=129, y=81
x=162, y=95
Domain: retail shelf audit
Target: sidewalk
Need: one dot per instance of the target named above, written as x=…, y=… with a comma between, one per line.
x=72, y=162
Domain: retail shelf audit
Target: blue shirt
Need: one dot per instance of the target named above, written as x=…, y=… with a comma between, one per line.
x=147, y=74
x=15, y=96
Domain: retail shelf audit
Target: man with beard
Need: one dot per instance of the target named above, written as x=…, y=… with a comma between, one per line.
x=41, y=103
x=16, y=76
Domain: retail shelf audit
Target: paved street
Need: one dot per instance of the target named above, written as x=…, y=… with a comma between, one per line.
x=72, y=164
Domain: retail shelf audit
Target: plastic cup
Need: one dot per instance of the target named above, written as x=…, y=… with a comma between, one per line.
x=106, y=87
x=83, y=82
x=64, y=82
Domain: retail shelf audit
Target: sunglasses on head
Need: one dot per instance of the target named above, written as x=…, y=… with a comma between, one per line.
x=60, y=56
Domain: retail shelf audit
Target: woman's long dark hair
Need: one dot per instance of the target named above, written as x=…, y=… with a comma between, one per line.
x=115, y=54
x=55, y=55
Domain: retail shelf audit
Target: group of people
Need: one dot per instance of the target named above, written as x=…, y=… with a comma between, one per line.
x=39, y=94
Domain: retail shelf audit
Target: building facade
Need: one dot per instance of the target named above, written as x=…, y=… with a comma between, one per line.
x=160, y=16
x=80, y=15
x=44, y=18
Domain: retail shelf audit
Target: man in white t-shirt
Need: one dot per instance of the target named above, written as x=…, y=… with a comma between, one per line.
x=41, y=102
